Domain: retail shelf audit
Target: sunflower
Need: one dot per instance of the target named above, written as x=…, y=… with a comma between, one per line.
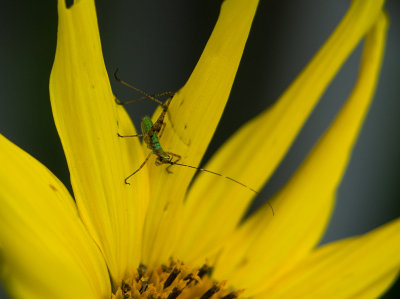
x=169, y=235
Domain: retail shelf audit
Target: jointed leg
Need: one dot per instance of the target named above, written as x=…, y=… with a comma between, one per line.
x=140, y=167
x=145, y=95
x=124, y=136
x=150, y=96
x=178, y=157
x=162, y=130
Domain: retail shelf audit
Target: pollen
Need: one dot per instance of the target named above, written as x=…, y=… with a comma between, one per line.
x=171, y=281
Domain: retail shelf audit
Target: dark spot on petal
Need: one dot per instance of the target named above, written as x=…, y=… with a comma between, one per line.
x=69, y=3
x=243, y=262
x=52, y=187
x=166, y=206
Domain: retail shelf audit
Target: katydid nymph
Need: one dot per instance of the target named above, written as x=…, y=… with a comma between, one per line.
x=152, y=132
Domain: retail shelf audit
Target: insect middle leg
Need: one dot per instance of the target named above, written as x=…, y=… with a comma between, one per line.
x=137, y=170
x=124, y=136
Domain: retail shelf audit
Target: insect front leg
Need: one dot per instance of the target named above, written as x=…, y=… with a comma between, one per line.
x=172, y=155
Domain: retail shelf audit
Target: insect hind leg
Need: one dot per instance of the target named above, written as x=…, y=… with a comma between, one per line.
x=145, y=95
x=149, y=96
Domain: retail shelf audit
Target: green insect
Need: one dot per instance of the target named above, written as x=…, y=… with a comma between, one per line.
x=152, y=132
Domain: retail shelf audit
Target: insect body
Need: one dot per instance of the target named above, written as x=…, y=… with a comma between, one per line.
x=151, y=132
x=151, y=138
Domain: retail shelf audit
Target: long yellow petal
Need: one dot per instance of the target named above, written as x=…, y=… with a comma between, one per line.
x=46, y=252
x=266, y=246
x=195, y=112
x=380, y=286
x=88, y=121
x=361, y=267
x=253, y=153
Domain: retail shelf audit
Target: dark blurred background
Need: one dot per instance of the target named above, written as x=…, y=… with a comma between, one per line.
x=156, y=45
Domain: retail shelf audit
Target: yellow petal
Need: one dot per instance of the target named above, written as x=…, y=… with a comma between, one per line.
x=377, y=288
x=45, y=250
x=195, y=112
x=254, y=152
x=361, y=267
x=88, y=121
x=266, y=245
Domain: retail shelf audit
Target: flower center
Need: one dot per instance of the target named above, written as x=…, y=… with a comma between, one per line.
x=173, y=281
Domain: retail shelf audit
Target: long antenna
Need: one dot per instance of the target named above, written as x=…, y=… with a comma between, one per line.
x=221, y=175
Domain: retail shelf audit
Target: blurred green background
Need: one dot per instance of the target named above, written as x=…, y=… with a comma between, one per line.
x=156, y=44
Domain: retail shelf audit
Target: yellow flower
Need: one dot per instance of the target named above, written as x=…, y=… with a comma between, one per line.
x=186, y=240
